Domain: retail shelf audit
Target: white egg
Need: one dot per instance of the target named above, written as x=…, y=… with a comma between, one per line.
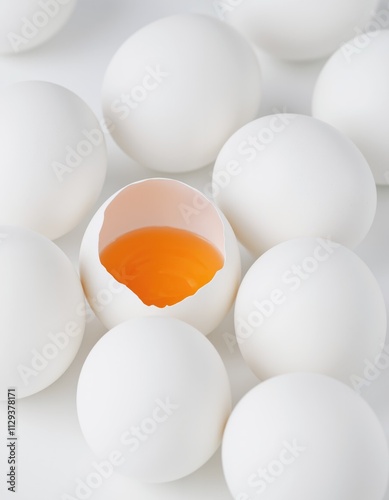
x=305, y=436
x=310, y=304
x=177, y=89
x=351, y=94
x=166, y=203
x=154, y=392
x=298, y=29
x=25, y=24
x=42, y=317
x=54, y=158
x=284, y=176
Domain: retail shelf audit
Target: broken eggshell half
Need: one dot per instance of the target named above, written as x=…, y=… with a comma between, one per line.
x=166, y=203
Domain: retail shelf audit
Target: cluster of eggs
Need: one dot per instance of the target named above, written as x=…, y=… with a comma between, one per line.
x=160, y=262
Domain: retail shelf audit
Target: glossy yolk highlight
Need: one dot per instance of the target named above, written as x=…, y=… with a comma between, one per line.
x=162, y=265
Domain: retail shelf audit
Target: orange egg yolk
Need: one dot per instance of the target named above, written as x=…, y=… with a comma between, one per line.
x=162, y=265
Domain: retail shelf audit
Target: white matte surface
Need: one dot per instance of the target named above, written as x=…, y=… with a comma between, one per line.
x=53, y=155
x=286, y=175
x=168, y=390
x=25, y=24
x=177, y=89
x=184, y=208
x=297, y=29
x=329, y=445
x=52, y=453
x=352, y=95
x=42, y=316
x=311, y=305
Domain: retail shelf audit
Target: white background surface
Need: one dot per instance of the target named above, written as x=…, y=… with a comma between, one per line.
x=51, y=450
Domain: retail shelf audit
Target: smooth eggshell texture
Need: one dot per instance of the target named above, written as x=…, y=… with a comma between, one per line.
x=25, y=24
x=351, y=94
x=139, y=205
x=177, y=89
x=168, y=390
x=297, y=29
x=284, y=176
x=54, y=158
x=305, y=436
x=310, y=305
x=42, y=317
